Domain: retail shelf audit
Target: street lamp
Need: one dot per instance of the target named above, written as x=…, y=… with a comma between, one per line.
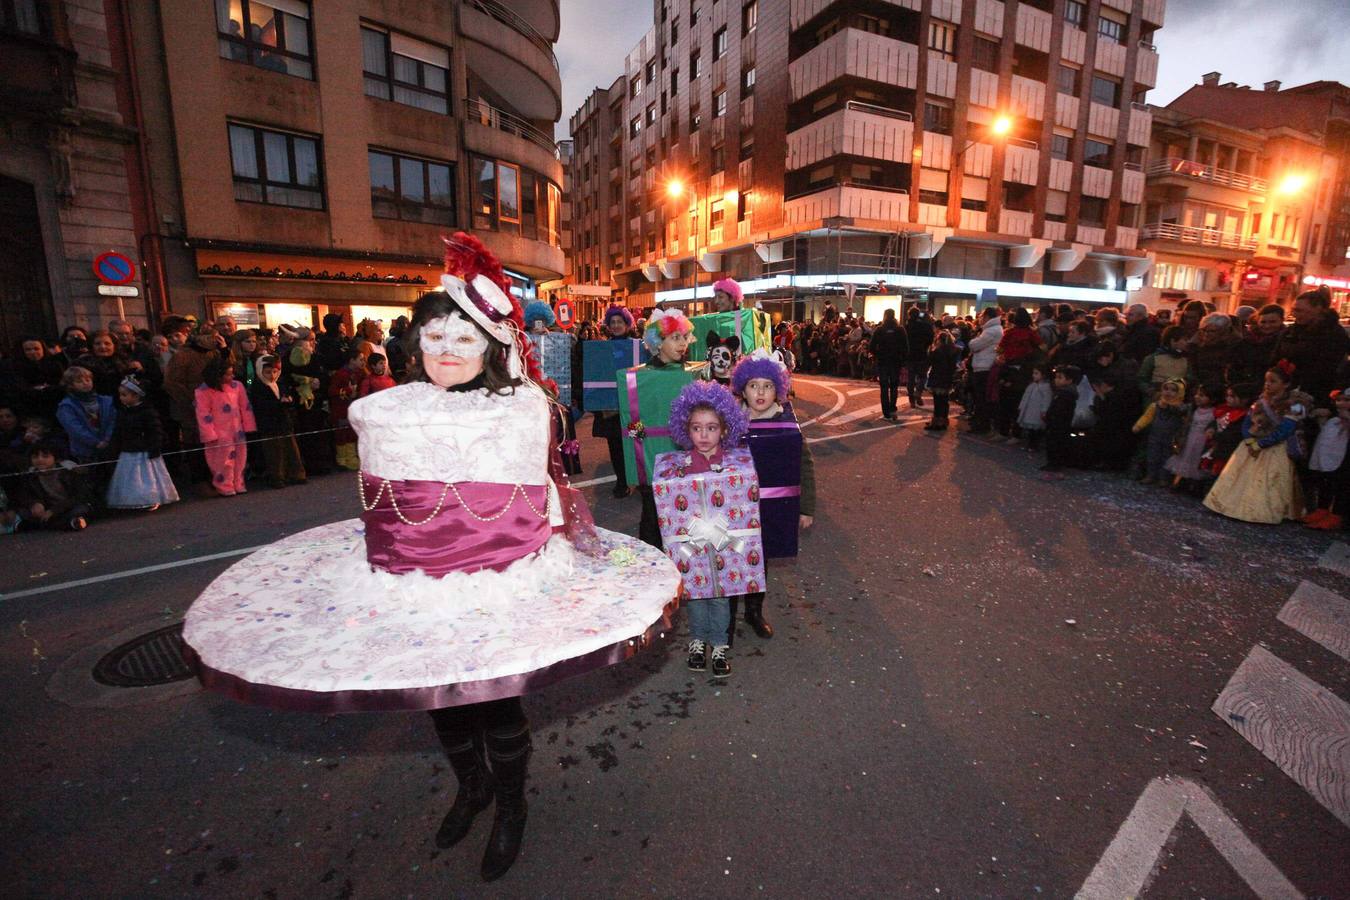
x=1291, y=184
x=675, y=189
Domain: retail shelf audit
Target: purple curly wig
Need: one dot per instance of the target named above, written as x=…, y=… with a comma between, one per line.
x=621, y=312
x=752, y=367
x=707, y=395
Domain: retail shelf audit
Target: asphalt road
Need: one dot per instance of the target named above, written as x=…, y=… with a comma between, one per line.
x=928, y=722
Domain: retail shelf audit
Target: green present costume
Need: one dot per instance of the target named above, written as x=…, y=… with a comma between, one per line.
x=645, y=395
x=752, y=326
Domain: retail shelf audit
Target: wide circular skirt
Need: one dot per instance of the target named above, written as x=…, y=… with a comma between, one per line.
x=305, y=624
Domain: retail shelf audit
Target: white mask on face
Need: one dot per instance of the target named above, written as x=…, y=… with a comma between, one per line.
x=452, y=336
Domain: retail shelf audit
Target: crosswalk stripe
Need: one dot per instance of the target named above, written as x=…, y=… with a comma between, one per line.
x=1336, y=558
x=1131, y=861
x=1320, y=614
x=1299, y=725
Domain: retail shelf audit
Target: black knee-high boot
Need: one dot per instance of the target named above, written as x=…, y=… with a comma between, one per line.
x=508, y=749
x=754, y=615
x=462, y=739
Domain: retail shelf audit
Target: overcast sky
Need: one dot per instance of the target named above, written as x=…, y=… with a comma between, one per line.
x=1247, y=41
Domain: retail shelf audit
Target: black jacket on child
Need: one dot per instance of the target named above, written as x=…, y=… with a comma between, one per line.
x=269, y=410
x=138, y=430
x=1110, y=440
x=1059, y=426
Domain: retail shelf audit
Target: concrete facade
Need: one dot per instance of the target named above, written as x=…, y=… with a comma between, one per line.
x=933, y=144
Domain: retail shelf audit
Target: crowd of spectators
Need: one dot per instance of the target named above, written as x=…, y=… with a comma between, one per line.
x=89, y=420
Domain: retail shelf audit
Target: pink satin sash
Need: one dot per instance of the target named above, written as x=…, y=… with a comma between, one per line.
x=454, y=539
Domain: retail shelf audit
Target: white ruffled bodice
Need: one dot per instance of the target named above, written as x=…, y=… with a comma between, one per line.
x=421, y=432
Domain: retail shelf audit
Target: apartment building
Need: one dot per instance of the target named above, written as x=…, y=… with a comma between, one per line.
x=65, y=184
x=1248, y=194
x=307, y=157
x=958, y=149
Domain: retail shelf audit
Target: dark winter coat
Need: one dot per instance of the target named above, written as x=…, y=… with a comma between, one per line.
x=919, y=331
x=890, y=344
x=1059, y=417
x=1252, y=358
x=1317, y=352
x=1139, y=339
x=942, y=367
x=270, y=411
x=139, y=430
x=1210, y=361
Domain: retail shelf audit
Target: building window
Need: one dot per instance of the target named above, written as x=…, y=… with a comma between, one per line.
x=937, y=118
x=1096, y=153
x=826, y=31
x=748, y=82
x=942, y=39
x=719, y=104
x=719, y=159
x=651, y=114
x=985, y=55
x=674, y=32
x=651, y=72
x=1059, y=146
x=720, y=43
x=635, y=126
x=405, y=70
x=749, y=17
x=1067, y=80
x=695, y=122
x=275, y=167
x=1106, y=91
x=974, y=205
x=744, y=204
x=25, y=17
x=694, y=61
x=936, y=198
x=1092, y=211
x=747, y=146
x=1112, y=25
x=634, y=86
x=674, y=81
x=1075, y=12
x=271, y=35
x=693, y=17
x=511, y=199
x=716, y=213
x=416, y=190
x=873, y=24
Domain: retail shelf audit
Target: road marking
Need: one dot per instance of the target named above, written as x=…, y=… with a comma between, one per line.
x=838, y=402
x=1131, y=861
x=144, y=570
x=1299, y=725
x=226, y=554
x=1320, y=614
x=856, y=391
x=1336, y=558
x=870, y=412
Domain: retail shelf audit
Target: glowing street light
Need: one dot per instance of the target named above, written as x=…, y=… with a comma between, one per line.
x=675, y=189
x=1292, y=183
x=1001, y=126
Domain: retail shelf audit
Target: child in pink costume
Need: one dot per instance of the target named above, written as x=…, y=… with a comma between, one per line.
x=224, y=417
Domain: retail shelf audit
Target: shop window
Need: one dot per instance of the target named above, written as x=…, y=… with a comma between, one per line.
x=415, y=190
x=405, y=70
x=275, y=167
x=271, y=35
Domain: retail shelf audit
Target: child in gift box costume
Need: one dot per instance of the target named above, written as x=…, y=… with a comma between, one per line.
x=731, y=318
x=708, y=497
x=645, y=396
x=783, y=463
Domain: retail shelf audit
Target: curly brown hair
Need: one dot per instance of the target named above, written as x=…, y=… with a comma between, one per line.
x=497, y=376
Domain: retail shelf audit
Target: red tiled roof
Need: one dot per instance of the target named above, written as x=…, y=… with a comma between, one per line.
x=1298, y=108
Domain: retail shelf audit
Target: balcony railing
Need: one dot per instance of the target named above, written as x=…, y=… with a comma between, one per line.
x=502, y=120
x=1189, y=234
x=512, y=20
x=875, y=110
x=1173, y=165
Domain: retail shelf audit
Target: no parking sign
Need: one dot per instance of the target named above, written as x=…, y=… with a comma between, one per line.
x=564, y=313
x=114, y=268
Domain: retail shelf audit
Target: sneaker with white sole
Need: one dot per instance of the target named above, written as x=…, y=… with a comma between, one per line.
x=721, y=666
x=698, y=656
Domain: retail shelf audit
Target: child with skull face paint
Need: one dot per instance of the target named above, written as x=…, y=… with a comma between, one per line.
x=763, y=385
x=722, y=356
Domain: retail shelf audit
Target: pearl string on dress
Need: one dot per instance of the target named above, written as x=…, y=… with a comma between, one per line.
x=445, y=490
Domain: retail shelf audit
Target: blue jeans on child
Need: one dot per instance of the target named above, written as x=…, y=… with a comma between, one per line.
x=709, y=620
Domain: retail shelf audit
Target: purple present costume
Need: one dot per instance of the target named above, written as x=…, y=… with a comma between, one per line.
x=776, y=445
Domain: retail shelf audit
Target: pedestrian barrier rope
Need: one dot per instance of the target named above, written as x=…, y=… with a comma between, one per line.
x=194, y=449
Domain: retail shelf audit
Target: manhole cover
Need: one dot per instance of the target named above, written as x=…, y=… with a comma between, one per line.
x=145, y=661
